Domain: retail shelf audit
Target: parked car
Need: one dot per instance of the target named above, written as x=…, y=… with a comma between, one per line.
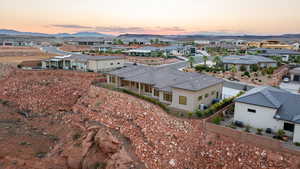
x=286, y=80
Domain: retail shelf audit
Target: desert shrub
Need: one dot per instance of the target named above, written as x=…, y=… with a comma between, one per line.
x=232, y=125
x=280, y=133
x=259, y=131
x=40, y=154
x=247, y=128
x=247, y=74
x=199, y=113
x=297, y=143
x=217, y=120
x=190, y=114
x=254, y=68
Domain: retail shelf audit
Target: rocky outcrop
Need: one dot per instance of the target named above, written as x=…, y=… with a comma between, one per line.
x=98, y=149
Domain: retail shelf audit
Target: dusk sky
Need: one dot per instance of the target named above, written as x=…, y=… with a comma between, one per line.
x=152, y=16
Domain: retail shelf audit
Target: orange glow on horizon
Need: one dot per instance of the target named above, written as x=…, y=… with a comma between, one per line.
x=151, y=17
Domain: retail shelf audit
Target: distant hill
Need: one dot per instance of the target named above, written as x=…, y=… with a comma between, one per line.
x=200, y=35
x=78, y=34
x=209, y=36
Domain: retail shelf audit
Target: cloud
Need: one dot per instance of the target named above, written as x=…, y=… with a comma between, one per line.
x=171, y=29
x=120, y=29
x=73, y=26
x=139, y=29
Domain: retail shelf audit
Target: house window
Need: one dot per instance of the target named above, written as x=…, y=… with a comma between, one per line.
x=132, y=84
x=156, y=93
x=206, y=95
x=213, y=93
x=167, y=97
x=200, y=98
x=112, y=79
x=251, y=110
x=111, y=63
x=182, y=100
x=289, y=127
x=118, y=63
x=148, y=88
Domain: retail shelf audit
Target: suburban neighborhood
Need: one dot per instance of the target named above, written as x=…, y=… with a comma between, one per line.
x=149, y=84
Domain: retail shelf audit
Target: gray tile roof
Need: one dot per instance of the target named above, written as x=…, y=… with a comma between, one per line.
x=295, y=70
x=166, y=78
x=285, y=102
x=89, y=57
x=246, y=59
x=85, y=58
x=266, y=51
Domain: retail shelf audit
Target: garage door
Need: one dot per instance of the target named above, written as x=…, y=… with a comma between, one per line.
x=297, y=78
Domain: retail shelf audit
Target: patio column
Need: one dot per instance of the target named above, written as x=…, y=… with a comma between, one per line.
x=139, y=88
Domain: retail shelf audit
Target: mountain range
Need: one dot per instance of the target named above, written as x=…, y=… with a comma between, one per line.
x=212, y=35
x=78, y=34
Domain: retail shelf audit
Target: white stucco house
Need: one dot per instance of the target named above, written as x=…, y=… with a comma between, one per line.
x=181, y=90
x=84, y=63
x=268, y=107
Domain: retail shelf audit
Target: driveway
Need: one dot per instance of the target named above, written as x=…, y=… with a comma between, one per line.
x=291, y=86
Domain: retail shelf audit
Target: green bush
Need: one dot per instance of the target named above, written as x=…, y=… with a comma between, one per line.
x=199, y=113
x=259, y=131
x=247, y=74
x=297, y=143
x=254, y=68
x=217, y=120
x=190, y=114
x=280, y=133
x=247, y=128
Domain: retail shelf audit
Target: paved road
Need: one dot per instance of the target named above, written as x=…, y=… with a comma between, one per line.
x=55, y=50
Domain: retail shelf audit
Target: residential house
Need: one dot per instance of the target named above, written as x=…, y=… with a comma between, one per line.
x=148, y=51
x=285, y=54
x=270, y=44
x=247, y=61
x=268, y=107
x=181, y=90
x=295, y=74
x=84, y=63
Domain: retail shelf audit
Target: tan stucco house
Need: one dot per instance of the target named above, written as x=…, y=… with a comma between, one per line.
x=180, y=90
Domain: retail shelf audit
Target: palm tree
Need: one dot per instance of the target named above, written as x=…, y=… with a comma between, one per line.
x=217, y=60
x=233, y=70
x=191, y=60
x=205, y=58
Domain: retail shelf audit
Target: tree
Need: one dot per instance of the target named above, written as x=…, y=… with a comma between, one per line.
x=201, y=68
x=217, y=60
x=114, y=41
x=120, y=42
x=151, y=41
x=134, y=41
x=254, y=68
x=233, y=70
x=205, y=58
x=191, y=60
x=156, y=41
